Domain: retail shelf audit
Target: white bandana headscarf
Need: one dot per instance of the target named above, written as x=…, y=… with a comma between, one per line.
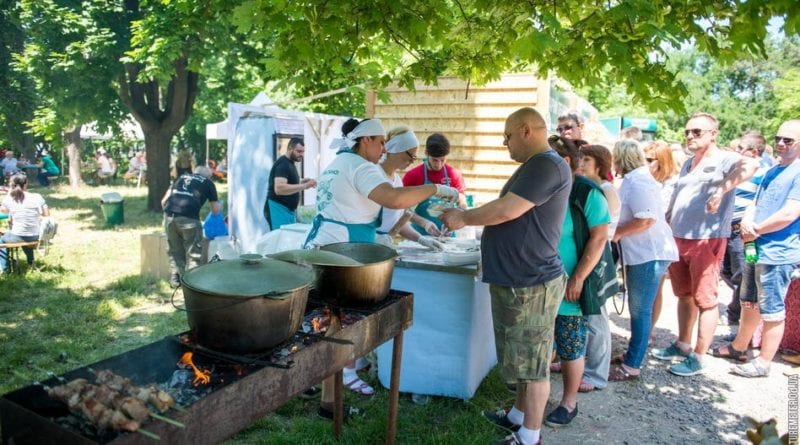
x=402, y=142
x=369, y=127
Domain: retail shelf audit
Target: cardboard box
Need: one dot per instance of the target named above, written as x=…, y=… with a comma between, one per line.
x=154, y=260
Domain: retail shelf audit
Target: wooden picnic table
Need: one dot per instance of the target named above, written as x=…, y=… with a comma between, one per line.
x=12, y=249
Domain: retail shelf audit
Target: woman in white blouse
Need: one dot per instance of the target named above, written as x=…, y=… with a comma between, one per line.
x=647, y=248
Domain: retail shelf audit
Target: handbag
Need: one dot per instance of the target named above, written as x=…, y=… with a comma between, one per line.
x=602, y=282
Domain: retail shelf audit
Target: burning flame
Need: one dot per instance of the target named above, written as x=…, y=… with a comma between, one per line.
x=201, y=377
x=315, y=324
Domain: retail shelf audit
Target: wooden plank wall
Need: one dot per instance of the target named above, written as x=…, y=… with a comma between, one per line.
x=471, y=117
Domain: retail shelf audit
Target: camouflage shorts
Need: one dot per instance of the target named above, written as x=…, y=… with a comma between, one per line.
x=524, y=318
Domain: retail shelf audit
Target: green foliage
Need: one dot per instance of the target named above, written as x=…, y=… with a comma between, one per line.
x=70, y=54
x=585, y=43
x=787, y=90
x=748, y=94
x=16, y=89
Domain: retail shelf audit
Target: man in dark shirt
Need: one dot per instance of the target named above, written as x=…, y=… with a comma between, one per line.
x=520, y=260
x=182, y=204
x=285, y=186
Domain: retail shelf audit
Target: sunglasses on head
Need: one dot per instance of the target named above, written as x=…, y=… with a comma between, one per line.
x=786, y=141
x=563, y=128
x=696, y=132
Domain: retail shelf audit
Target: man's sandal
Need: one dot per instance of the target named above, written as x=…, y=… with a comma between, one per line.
x=729, y=352
x=359, y=386
x=619, y=374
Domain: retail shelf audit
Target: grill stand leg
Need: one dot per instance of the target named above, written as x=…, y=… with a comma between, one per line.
x=338, y=405
x=394, y=389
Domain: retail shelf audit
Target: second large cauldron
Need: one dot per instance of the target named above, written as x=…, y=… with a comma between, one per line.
x=348, y=274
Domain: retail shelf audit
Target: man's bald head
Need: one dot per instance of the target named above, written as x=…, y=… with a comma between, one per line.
x=527, y=115
x=792, y=125
x=525, y=134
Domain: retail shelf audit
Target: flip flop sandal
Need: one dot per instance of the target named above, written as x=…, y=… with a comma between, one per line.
x=619, y=374
x=731, y=353
x=586, y=387
x=359, y=386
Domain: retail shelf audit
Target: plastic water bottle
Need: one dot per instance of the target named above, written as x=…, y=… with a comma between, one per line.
x=750, y=252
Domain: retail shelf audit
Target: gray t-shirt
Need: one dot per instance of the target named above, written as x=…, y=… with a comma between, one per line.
x=523, y=252
x=687, y=209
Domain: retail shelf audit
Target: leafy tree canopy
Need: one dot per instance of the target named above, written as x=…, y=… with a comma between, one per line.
x=749, y=94
x=584, y=43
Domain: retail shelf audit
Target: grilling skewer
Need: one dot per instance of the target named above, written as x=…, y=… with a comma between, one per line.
x=74, y=393
x=160, y=399
x=163, y=395
x=102, y=416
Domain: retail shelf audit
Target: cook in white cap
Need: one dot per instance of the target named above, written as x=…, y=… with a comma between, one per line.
x=401, y=151
x=352, y=189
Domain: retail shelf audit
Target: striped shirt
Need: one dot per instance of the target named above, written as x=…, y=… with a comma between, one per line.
x=746, y=192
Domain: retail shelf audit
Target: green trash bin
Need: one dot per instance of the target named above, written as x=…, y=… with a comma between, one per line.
x=112, y=206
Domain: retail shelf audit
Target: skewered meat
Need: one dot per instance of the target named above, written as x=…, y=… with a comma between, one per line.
x=120, y=422
x=160, y=399
x=114, y=403
x=132, y=407
x=114, y=381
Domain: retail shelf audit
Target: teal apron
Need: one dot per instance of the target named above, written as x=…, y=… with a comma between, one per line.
x=422, y=208
x=356, y=233
x=280, y=215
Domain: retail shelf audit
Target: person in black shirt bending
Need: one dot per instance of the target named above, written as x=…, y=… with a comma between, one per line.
x=285, y=186
x=181, y=204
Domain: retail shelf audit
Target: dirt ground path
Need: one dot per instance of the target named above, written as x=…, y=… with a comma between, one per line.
x=662, y=408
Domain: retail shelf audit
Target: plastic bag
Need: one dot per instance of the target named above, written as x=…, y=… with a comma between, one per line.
x=214, y=226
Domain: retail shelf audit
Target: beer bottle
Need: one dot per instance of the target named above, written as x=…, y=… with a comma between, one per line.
x=750, y=252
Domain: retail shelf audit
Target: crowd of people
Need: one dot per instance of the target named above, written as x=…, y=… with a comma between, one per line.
x=692, y=213
x=664, y=218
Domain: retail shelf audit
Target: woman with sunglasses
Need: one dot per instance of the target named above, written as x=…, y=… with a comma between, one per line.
x=664, y=169
x=401, y=150
x=648, y=246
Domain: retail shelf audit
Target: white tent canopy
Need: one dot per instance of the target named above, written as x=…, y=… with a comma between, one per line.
x=250, y=132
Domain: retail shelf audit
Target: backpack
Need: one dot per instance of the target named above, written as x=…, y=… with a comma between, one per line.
x=602, y=281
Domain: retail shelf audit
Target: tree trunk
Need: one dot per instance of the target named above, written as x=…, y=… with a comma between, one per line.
x=145, y=101
x=156, y=145
x=74, y=145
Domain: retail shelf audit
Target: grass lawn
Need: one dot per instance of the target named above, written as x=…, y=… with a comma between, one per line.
x=88, y=301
